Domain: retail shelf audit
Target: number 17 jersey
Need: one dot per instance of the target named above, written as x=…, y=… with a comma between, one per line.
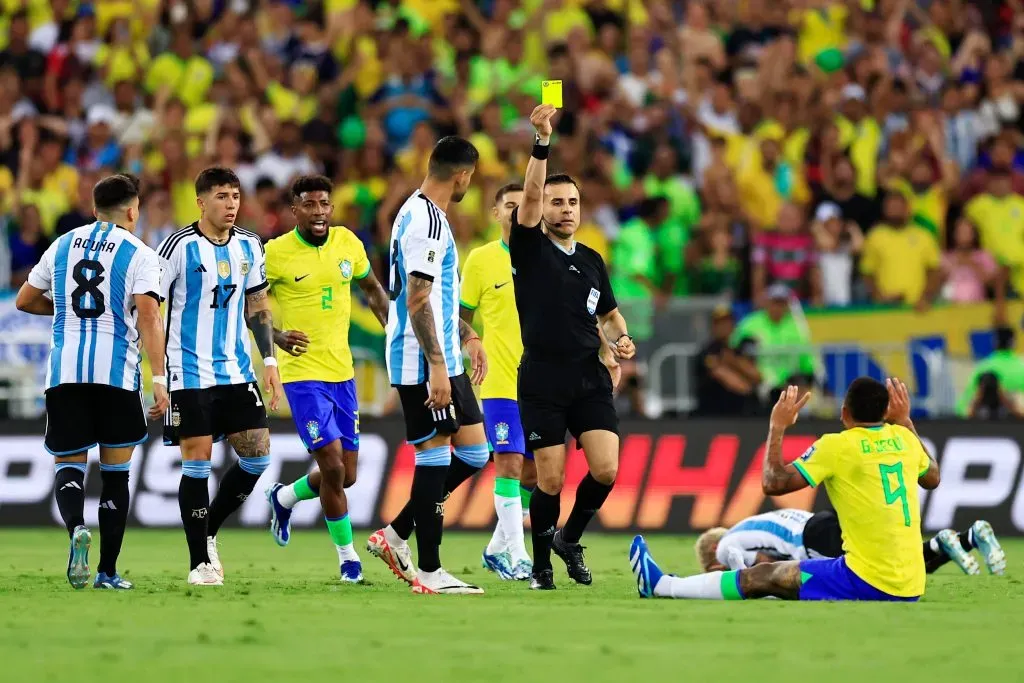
x=92, y=274
x=205, y=286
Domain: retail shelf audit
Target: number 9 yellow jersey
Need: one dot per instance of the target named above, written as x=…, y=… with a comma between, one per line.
x=870, y=474
x=313, y=289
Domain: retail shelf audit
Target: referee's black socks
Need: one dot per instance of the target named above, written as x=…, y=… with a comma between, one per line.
x=590, y=496
x=113, y=514
x=544, y=511
x=194, y=504
x=69, y=490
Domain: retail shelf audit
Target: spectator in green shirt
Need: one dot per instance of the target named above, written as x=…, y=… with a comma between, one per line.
x=673, y=234
x=634, y=266
x=993, y=381
x=775, y=328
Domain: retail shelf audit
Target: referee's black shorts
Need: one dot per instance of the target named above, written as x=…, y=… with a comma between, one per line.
x=559, y=396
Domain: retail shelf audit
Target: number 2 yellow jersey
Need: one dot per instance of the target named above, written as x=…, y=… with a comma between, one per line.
x=313, y=288
x=870, y=474
x=487, y=286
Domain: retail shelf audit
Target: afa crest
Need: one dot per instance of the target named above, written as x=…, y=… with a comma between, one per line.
x=501, y=433
x=224, y=268
x=313, y=429
x=346, y=269
x=245, y=267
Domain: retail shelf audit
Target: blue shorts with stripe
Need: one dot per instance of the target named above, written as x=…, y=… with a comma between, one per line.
x=831, y=579
x=324, y=412
x=503, y=427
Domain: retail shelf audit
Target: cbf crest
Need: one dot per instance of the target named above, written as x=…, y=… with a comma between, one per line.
x=346, y=269
x=501, y=433
x=224, y=268
x=313, y=429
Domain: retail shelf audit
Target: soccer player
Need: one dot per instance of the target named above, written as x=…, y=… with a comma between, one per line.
x=487, y=286
x=214, y=274
x=101, y=284
x=311, y=271
x=565, y=303
x=424, y=359
x=869, y=471
x=789, y=534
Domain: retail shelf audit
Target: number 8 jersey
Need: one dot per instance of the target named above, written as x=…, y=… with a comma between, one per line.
x=92, y=274
x=205, y=285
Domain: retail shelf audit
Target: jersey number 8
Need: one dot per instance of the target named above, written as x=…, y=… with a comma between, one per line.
x=88, y=275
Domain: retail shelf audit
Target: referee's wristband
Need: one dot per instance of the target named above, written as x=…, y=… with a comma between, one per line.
x=623, y=335
x=541, y=149
x=270, y=362
x=161, y=380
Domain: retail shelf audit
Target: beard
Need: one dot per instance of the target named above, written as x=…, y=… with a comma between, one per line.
x=457, y=195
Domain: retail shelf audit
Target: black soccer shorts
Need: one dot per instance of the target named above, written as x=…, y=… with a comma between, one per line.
x=422, y=423
x=80, y=416
x=555, y=397
x=215, y=411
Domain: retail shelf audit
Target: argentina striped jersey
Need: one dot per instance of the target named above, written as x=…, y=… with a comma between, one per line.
x=92, y=274
x=779, y=533
x=422, y=244
x=205, y=286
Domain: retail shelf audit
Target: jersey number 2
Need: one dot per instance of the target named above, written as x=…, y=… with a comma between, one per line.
x=899, y=493
x=88, y=275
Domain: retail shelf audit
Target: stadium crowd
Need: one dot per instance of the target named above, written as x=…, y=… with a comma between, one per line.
x=842, y=151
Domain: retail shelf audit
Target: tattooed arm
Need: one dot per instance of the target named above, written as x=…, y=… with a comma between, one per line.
x=376, y=297
x=421, y=315
x=261, y=322
x=778, y=478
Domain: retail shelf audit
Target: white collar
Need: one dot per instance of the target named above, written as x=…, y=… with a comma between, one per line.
x=569, y=252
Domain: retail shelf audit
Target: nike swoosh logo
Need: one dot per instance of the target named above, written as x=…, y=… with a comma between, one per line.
x=502, y=284
x=402, y=565
x=297, y=278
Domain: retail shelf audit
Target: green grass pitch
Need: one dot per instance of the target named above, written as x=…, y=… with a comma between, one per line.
x=283, y=616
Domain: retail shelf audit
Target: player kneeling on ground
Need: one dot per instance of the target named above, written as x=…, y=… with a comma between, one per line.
x=866, y=470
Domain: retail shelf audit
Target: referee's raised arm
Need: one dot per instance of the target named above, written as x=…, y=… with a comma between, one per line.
x=531, y=210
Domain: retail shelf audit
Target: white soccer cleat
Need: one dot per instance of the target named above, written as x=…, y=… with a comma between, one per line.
x=949, y=541
x=398, y=557
x=987, y=544
x=204, y=575
x=441, y=582
x=211, y=550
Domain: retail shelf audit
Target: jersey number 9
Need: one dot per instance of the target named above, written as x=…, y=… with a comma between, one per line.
x=88, y=275
x=899, y=493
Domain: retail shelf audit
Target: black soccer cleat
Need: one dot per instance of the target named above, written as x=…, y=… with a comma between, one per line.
x=572, y=555
x=544, y=580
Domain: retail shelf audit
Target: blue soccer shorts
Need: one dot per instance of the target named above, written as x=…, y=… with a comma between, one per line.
x=503, y=426
x=831, y=579
x=324, y=412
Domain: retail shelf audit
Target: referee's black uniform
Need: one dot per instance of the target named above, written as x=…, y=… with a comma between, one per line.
x=563, y=386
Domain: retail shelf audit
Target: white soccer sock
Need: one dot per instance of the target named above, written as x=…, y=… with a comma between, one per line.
x=701, y=586
x=286, y=496
x=392, y=537
x=497, y=543
x=510, y=519
x=347, y=552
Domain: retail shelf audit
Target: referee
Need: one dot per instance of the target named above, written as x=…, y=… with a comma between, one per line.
x=565, y=373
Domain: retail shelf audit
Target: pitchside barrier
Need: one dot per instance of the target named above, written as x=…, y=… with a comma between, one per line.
x=676, y=476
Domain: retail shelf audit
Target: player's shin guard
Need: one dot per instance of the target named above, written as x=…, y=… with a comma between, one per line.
x=427, y=501
x=69, y=490
x=234, y=489
x=508, y=507
x=590, y=496
x=194, y=504
x=544, y=511
x=113, y=514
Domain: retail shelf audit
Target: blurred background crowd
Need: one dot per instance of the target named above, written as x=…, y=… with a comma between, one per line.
x=777, y=157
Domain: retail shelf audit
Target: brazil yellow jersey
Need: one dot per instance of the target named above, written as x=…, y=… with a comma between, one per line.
x=313, y=288
x=487, y=286
x=871, y=475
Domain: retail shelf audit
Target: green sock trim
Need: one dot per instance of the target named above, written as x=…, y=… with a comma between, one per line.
x=506, y=488
x=303, y=491
x=525, y=495
x=731, y=586
x=340, y=530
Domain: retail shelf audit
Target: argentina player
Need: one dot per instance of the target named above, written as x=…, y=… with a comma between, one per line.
x=215, y=283
x=101, y=285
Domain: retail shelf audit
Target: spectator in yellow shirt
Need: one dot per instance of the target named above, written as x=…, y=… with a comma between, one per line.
x=999, y=216
x=900, y=260
x=764, y=187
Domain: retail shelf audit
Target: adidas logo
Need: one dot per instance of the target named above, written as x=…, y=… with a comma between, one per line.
x=534, y=436
x=71, y=485
x=573, y=269
x=108, y=505
x=200, y=269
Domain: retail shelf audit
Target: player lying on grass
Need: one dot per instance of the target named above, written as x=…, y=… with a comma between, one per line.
x=866, y=470
x=311, y=271
x=799, y=535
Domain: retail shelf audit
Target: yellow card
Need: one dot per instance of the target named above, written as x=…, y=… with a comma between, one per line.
x=551, y=93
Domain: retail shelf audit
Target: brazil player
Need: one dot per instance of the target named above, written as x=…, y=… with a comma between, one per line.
x=101, y=284
x=869, y=471
x=789, y=534
x=424, y=358
x=311, y=271
x=487, y=287
x=215, y=283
